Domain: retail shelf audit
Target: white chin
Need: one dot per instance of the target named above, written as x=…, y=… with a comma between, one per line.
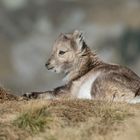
x=57, y=70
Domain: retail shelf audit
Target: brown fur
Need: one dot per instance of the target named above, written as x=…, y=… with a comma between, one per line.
x=80, y=64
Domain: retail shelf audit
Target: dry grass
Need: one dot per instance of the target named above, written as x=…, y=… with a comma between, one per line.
x=5, y=95
x=68, y=119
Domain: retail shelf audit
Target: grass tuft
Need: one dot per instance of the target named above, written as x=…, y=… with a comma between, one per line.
x=33, y=121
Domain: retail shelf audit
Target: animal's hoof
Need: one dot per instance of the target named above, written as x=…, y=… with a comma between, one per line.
x=32, y=95
x=26, y=95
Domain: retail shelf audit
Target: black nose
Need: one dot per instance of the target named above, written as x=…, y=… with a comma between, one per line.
x=47, y=64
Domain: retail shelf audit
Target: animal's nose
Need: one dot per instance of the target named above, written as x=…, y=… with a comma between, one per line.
x=47, y=64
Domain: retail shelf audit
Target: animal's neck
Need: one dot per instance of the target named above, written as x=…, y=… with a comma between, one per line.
x=86, y=62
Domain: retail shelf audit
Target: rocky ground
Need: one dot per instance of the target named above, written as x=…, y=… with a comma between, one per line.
x=67, y=120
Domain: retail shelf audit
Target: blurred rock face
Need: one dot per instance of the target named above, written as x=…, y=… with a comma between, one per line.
x=29, y=28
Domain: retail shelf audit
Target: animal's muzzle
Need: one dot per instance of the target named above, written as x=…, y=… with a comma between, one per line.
x=48, y=66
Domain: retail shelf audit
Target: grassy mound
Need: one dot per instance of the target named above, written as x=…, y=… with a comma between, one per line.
x=66, y=119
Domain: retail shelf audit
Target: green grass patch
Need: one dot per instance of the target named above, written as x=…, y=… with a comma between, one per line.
x=34, y=121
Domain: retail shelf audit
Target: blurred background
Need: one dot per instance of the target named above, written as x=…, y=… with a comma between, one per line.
x=28, y=29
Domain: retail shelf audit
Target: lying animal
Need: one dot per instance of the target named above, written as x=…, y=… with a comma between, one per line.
x=87, y=76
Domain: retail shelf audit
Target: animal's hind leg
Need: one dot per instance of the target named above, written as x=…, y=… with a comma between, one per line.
x=104, y=89
x=137, y=93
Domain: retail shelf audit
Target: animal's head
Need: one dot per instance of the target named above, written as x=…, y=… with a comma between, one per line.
x=67, y=51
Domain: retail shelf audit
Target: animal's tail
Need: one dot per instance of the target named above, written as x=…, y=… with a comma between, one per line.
x=135, y=100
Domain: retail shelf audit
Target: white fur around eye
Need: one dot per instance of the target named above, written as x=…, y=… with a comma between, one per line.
x=61, y=52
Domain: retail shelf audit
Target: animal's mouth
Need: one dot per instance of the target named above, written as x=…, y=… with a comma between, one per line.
x=50, y=68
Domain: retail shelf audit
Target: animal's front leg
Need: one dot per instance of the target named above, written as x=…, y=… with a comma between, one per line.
x=59, y=92
x=39, y=95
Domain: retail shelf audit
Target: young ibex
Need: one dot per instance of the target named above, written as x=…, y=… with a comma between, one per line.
x=87, y=76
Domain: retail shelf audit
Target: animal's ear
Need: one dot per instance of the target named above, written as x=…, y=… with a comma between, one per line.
x=64, y=36
x=78, y=38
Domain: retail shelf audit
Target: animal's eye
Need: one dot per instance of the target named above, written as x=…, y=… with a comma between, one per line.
x=61, y=52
